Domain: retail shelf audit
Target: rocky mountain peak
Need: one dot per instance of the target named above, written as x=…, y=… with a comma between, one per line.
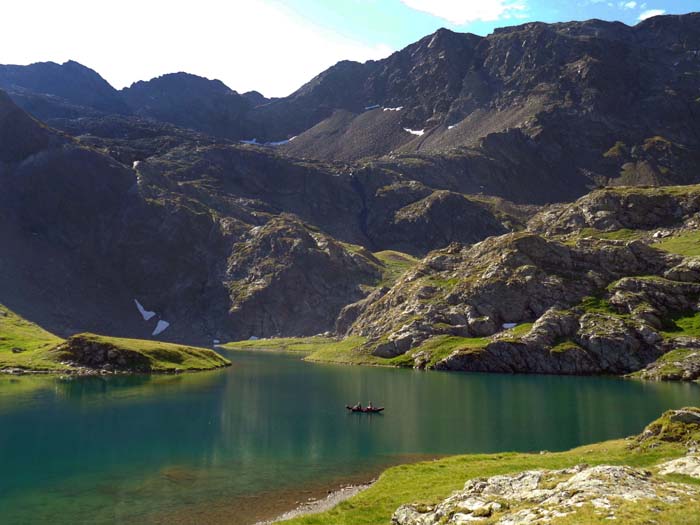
x=71, y=81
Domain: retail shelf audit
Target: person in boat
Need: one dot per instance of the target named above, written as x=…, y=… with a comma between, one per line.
x=370, y=406
x=358, y=406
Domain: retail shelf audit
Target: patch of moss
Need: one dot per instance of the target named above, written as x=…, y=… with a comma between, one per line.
x=564, y=345
x=657, y=142
x=395, y=264
x=442, y=283
x=686, y=324
x=514, y=334
x=669, y=429
x=597, y=305
x=619, y=150
x=623, y=234
x=687, y=244
x=441, y=346
x=667, y=367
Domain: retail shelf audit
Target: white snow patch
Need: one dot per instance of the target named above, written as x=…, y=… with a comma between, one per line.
x=136, y=163
x=254, y=142
x=253, y=338
x=216, y=341
x=161, y=327
x=375, y=106
x=394, y=109
x=508, y=326
x=418, y=132
x=281, y=142
x=452, y=126
x=147, y=315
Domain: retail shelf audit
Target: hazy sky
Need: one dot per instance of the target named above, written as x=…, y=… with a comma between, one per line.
x=273, y=46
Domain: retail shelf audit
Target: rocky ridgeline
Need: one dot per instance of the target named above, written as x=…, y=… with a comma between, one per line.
x=646, y=209
x=596, y=304
x=582, y=493
x=534, y=113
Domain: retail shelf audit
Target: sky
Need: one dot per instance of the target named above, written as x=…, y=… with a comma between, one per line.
x=272, y=46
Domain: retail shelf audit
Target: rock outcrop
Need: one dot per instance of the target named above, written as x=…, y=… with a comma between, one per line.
x=534, y=113
x=286, y=279
x=686, y=466
x=588, y=275
x=682, y=364
x=87, y=353
x=542, y=496
x=579, y=494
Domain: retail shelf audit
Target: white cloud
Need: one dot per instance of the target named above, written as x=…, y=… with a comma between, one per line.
x=462, y=12
x=628, y=5
x=651, y=12
x=251, y=44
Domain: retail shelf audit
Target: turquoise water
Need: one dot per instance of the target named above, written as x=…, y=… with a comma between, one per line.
x=219, y=447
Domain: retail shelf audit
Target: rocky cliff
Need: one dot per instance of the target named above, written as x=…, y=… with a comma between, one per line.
x=585, y=290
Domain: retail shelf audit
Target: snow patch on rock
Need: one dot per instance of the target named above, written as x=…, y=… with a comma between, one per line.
x=254, y=142
x=418, y=132
x=146, y=314
x=161, y=327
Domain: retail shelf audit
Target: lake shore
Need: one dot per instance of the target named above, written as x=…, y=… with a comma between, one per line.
x=321, y=505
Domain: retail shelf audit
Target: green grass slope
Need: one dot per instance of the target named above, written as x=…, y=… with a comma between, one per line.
x=687, y=244
x=432, y=481
x=25, y=345
x=356, y=350
x=28, y=347
x=137, y=355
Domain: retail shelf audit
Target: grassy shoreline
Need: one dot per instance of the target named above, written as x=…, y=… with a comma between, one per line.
x=26, y=348
x=429, y=482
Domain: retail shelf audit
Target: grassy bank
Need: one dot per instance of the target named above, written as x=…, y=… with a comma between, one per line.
x=26, y=346
x=358, y=350
x=138, y=354
x=432, y=481
x=350, y=351
x=687, y=244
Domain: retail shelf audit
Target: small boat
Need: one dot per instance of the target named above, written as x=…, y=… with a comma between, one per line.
x=365, y=410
